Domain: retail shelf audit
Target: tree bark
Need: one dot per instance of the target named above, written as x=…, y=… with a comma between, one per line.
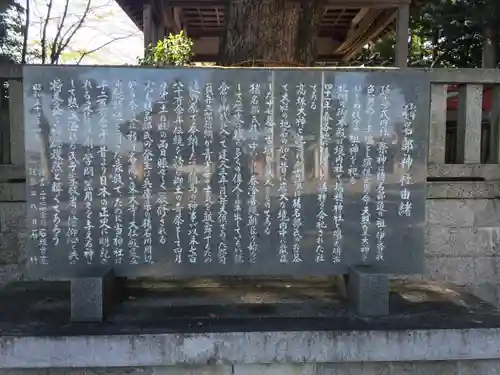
x=490, y=42
x=271, y=31
x=26, y=33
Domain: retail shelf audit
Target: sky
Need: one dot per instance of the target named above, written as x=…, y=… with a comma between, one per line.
x=106, y=23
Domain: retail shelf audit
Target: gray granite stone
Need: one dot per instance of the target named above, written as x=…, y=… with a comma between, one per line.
x=468, y=367
x=274, y=369
x=10, y=191
x=486, y=171
x=459, y=270
x=462, y=190
x=12, y=216
x=368, y=291
x=450, y=212
x=469, y=242
x=84, y=371
x=194, y=370
x=489, y=240
x=92, y=296
x=9, y=173
x=479, y=367
x=466, y=271
x=237, y=247
x=487, y=212
x=437, y=240
x=10, y=247
x=487, y=291
x=9, y=273
x=425, y=368
x=354, y=368
x=16, y=115
x=486, y=269
x=143, y=350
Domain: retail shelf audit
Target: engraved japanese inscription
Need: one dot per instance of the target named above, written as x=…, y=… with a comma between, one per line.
x=198, y=171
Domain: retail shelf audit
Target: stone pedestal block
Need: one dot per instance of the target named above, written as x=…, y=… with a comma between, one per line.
x=368, y=291
x=92, y=296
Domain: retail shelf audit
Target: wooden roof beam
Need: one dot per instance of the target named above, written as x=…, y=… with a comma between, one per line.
x=179, y=19
x=358, y=17
x=217, y=32
x=372, y=32
x=332, y=4
x=167, y=17
x=358, y=32
x=213, y=58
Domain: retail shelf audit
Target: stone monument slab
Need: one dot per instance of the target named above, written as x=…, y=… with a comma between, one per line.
x=193, y=172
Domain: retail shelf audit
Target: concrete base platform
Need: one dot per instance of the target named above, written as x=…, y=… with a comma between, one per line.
x=176, y=325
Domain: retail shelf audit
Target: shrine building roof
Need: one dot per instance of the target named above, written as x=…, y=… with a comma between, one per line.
x=347, y=25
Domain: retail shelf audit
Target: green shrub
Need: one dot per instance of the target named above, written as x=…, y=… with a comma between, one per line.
x=174, y=50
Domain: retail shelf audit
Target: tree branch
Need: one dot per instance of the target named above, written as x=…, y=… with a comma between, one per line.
x=436, y=60
x=54, y=52
x=70, y=30
x=43, y=42
x=64, y=43
x=93, y=50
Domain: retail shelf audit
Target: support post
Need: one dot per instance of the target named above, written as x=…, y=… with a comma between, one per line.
x=437, y=133
x=490, y=41
x=494, y=149
x=16, y=115
x=368, y=291
x=147, y=24
x=92, y=296
x=402, y=35
x=470, y=113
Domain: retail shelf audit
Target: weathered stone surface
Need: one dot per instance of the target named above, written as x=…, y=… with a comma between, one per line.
x=488, y=292
x=92, y=296
x=487, y=212
x=457, y=241
x=10, y=247
x=9, y=273
x=274, y=369
x=468, y=367
x=486, y=269
x=389, y=368
x=368, y=292
x=354, y=368
x=462, y=190
x=479, y=367
x=83, y=371
x=188, y=370
x=460, y=270
x=421, y=368
x=437, y=240
x=453, y=213
x=12, y=216
x=463, y=270
x=489, y=240
x=285, y=348
x=463, y=244
x=12, y=192
x=13, y=247
x=9, y=173
x=486, y=171
x=16, y=113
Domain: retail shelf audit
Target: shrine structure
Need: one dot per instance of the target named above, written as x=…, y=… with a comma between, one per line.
x=346, y=26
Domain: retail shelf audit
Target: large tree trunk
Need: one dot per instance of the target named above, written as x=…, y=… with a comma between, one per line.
x=271, y=31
